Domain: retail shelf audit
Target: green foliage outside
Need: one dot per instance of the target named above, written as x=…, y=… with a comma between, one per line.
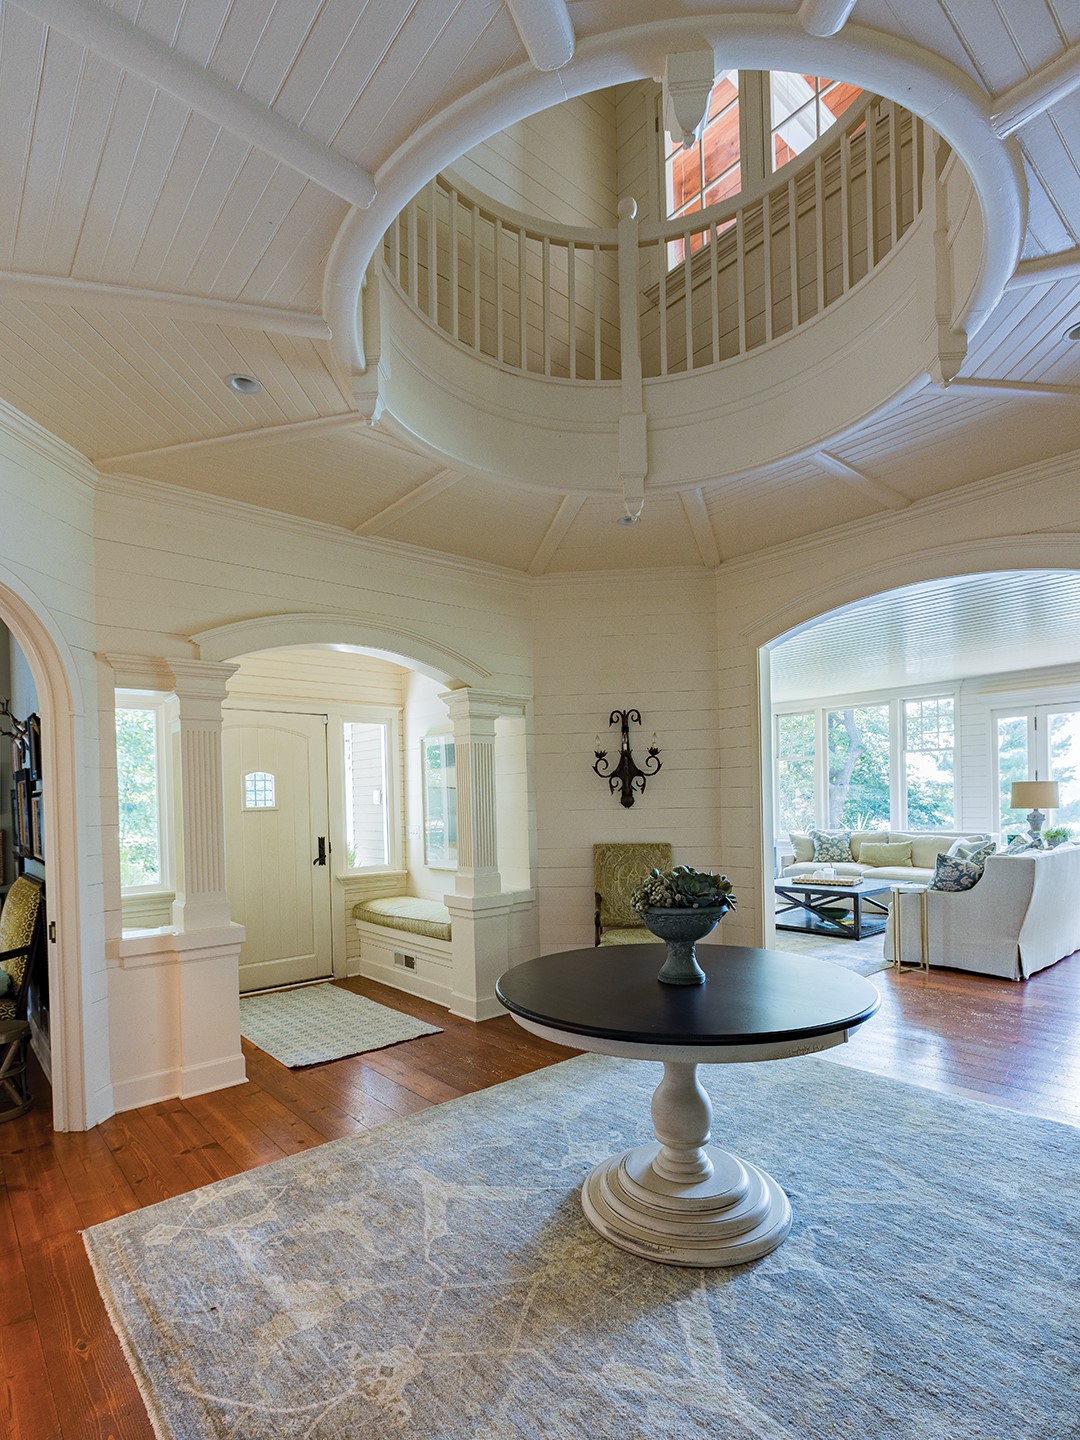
x=137, y=782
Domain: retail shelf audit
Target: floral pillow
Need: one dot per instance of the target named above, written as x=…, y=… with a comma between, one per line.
x=974, y=850
x=831, y=847
x=952, y=873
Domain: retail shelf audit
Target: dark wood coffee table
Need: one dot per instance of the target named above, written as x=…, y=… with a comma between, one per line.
x=681, y=1200
x=817, y=900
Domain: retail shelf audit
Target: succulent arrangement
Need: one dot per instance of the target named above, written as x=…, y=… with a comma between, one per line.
x=683, y=889
x=1057, y=835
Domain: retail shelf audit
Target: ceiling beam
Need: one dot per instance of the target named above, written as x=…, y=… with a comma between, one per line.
x=1045, y=269
x=410, y=502
x=556, y=532
x=1031, y=97
x=864, y=484
x=106, y=33
x=1023, y=388
x=234, y=440
x=546, y=31
x=197, y=309
x=825, y=17
x=697, y=517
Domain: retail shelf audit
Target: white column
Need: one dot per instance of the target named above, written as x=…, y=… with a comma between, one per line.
x=473, y=719
x=201, y=901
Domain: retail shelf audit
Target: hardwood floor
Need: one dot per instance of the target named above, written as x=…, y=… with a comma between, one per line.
x=63, y=1373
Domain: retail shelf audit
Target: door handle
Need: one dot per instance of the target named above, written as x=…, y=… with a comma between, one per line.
x=320, y=858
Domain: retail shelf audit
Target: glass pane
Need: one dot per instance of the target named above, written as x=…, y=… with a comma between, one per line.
x=789, y=92
x=260, y=791
x=930, y=763
x=137, y=784
x=367, y=832
x=714, y=159
x=800, y=131
x=838, y=99
x=1064, y=733
x=440, y=800
x=795, y=770
x=720, y=145
x=1013, y=764
x=858, y=760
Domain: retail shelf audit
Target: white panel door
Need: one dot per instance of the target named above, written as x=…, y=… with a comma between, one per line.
x=275, y=817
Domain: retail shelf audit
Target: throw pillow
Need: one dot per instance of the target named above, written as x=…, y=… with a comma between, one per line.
x=802, y=845
x=952, y=873
x=973, y=850
x=886, y=852
x=1020, y=845
x=832, y=846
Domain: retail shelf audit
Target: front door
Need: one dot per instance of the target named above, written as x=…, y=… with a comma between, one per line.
x=276, y=815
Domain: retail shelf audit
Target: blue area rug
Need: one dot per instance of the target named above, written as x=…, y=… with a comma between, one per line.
x=435, y=1279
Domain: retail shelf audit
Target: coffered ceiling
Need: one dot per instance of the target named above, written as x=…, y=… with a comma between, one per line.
x=178, y=175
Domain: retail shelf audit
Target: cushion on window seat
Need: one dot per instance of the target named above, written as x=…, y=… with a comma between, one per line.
x=407, y=912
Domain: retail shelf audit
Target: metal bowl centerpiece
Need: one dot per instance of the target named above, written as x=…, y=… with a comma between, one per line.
x=680, y=907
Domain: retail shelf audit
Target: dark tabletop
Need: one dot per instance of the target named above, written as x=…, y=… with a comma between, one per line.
x=750, y=996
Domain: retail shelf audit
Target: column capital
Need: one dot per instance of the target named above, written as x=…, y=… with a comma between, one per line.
x=471, y=704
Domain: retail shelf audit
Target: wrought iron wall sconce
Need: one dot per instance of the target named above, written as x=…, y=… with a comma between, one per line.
x=20, y=729
x=626, y=775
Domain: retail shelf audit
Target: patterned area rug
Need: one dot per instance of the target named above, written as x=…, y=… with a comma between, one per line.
x=435, y=1277
x=323, y=1022
x=865, y=957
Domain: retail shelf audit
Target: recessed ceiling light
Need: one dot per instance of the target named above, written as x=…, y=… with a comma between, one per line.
x=244, y=384
x=1073, y=334
x=628, y=520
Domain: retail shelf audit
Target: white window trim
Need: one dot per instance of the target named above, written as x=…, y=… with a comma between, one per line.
x=156, y=701
x=395, y=808
x=441, y=732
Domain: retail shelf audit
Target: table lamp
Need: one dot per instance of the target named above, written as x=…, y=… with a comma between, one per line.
x=1035, y=793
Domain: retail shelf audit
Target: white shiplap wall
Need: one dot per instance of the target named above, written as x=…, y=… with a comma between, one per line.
x=644, y=641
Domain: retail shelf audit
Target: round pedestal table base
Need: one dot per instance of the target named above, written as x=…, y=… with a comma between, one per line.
x=736, y=1215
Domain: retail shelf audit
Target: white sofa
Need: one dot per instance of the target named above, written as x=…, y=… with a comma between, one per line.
x=1023, y=915
x=926, y=846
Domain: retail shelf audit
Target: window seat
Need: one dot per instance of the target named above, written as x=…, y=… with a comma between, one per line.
x=409, y=913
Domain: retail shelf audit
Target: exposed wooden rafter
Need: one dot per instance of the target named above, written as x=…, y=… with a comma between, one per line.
x=200, y=309
x=825, y=17
x=410, y=502
x=864, y=484
x=546, y=31
x=1028, y=389
x=237, y=439
x=556, y=532
x=1013, y=108
x=697, y=517
x=105, y=32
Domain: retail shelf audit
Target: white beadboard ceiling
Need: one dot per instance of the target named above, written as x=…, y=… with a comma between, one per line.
x=938, y=631
x=107, y=179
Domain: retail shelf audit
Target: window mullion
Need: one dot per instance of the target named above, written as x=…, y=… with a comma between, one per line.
x=754, y=128
x=897, y=767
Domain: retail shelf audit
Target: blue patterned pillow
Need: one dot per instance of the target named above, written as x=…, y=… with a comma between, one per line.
x=832, y=846
x=974, y=850
x=952, y=873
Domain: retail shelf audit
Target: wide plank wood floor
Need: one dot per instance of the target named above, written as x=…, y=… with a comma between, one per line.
x=64, y=1375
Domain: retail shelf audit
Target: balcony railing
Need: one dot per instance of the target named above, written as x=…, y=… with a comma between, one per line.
x=543, y=299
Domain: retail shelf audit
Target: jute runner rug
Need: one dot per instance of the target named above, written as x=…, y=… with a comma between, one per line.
x=435, y=1277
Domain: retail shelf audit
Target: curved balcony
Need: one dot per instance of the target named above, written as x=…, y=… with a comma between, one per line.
x=760, y=327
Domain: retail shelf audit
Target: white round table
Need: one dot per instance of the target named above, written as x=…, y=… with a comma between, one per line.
x=679, y=1199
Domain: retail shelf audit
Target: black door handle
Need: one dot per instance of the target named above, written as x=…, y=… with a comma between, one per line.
x=320, y=859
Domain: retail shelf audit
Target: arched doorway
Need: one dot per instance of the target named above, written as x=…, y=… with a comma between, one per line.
x=914, y=708
x=72, y=1054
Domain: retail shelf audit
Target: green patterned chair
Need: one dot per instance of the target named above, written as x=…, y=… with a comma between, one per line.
x=21, y=935
x=618, y=869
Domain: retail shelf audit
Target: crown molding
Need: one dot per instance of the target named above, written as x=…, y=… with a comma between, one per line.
x=29, y=433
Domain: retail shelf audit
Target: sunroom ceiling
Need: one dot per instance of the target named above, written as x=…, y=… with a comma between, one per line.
x=109, y=181
x=926, y=634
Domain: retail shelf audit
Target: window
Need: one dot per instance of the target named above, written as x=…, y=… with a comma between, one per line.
x=140, y=795
x=367, y=794
x=858, y=753
x=1037, y=743
x=802, y=108
x=795, y=770
x=440, y=801
x=260, y=791
x=710, y=170
x=929, y=763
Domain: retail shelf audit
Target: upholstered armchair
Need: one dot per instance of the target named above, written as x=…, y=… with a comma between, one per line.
x=618, y=869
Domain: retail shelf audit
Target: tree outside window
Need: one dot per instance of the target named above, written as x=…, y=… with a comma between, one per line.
x=795, y=770
x=139, y=797
x=858, y=751
x=930, y=763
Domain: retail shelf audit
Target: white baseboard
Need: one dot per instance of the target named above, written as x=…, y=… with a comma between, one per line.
x=407, y=980
x=176, y=1082
x=485, y=1007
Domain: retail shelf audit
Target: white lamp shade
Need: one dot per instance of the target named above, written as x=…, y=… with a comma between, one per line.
x=1035, y=795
